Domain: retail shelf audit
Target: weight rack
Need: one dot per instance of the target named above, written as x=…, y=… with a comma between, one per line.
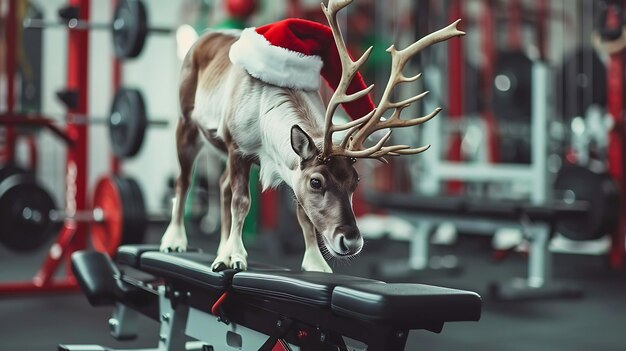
x=74, y=230
x=73, y=234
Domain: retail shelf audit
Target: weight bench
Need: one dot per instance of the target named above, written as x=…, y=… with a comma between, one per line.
x=537, y=223
x=264, y=308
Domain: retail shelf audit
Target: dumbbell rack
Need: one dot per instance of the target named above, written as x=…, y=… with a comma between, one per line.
x=73, y=234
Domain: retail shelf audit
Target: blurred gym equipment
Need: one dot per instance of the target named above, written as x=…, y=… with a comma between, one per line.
x=129, y=26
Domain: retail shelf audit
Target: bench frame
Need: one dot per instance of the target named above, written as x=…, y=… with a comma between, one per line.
x=237, y=321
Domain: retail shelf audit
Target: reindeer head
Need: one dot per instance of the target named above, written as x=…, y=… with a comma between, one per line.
x=323, y=189
x=327, y=176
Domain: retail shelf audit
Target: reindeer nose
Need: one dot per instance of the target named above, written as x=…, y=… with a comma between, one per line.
x=348, y=239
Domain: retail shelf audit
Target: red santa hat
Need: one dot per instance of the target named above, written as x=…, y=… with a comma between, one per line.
x=293, y=53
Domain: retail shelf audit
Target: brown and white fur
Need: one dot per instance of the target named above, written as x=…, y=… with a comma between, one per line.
x=289, y=133
x=281, y=129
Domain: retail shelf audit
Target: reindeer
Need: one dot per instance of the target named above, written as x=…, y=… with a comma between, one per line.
x=290, y=134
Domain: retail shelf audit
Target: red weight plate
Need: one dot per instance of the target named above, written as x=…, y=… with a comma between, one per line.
x=106, y=236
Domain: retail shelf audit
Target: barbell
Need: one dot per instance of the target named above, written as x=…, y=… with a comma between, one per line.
x=127, y=122
x=29, y=218
x=129, y=26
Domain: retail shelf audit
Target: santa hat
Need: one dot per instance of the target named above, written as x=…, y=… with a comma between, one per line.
x=292, y=53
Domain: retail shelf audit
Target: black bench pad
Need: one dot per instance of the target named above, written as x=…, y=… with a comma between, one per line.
x=313, y=288
x=193, y=268
x=129, y=254
x=406, y=304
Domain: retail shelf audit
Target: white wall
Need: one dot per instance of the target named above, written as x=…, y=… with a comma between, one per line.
x=154, y=72
x=51, y=150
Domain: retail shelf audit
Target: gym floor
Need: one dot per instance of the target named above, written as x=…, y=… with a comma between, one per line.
x=594, y=322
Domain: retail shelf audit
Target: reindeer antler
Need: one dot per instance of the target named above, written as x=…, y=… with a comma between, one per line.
x=361, y=128
x=349, y=69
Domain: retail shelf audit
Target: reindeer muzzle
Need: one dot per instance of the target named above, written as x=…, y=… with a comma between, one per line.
x=347, y=240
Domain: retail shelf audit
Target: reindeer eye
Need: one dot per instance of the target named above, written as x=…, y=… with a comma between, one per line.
x=316, y=183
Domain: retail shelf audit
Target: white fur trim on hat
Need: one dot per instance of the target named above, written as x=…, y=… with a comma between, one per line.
x=274, y=64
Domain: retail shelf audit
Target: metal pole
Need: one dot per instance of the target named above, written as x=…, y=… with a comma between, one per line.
x=116, y=83
x=615, y=89
x=539, y=133
x=540, y=258
x=488, y=49
x=456, y=82
x=418, y=249
x=11, y=50
x=617, y=146
x=76, y=166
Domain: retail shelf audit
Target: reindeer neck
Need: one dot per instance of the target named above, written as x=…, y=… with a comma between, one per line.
x=278, y=160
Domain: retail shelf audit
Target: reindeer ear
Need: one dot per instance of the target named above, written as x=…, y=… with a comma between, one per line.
x=302, y=143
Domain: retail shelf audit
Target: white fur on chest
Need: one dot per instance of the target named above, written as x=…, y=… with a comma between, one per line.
x=259, y=120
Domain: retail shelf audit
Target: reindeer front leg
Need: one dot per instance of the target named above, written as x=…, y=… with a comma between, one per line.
x=226, y=196
x=231, y=252
x=313, y=259
x=175, y=237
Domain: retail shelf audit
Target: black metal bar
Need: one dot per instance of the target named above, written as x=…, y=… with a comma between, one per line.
x=73, y=23
x=37, y=121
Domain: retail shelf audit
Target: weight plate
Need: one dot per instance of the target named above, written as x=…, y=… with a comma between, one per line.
x=127, y=122
x=129, y=207
x=25, y=208
x=139, y=223
x=124, y=214
x=512, y=87
x=106, y=235
x=581, y=83
x=9, y=170
x=130, y=28
x=599, y=191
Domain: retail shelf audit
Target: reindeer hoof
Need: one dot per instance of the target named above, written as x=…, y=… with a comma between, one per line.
x=239, y=266
x=317, y=269
x=174, y=240
x=218, y=266
x=173, y=249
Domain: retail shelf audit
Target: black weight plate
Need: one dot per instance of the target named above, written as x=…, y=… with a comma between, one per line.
x=127, y=122
x=512, y=87
x=601, y=194
x=130, y=28
x=25, y=213
x=581, y=82
x=128, y=207
x=133, y=213
x=8, y=170
x=139, y=223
